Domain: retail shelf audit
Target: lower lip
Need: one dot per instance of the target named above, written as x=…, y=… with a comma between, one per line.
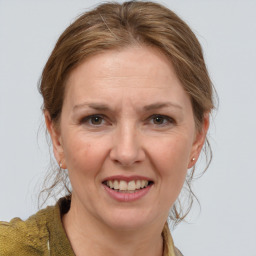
x=127, y=197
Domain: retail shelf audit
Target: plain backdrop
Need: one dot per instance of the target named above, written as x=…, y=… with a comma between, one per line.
x=226, y=225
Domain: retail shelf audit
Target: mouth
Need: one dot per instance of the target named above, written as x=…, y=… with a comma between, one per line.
x=131, y=186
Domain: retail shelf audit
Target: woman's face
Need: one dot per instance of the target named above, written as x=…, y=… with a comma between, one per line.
x=127, y=137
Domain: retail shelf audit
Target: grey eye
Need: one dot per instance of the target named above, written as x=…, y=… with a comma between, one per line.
x=96, y=120
x=159, y=120
x=93, y=120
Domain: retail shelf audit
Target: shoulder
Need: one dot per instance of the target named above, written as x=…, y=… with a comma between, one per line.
x=28, y=237
x=177, y=252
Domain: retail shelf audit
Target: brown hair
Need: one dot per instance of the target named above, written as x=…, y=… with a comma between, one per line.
x=115, y=26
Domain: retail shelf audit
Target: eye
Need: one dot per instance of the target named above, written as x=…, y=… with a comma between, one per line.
x=161, y=120
x=93, y=120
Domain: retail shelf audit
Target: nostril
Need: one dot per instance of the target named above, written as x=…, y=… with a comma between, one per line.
x=126, y=151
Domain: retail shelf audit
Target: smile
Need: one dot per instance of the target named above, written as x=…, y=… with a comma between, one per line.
x=131, y=186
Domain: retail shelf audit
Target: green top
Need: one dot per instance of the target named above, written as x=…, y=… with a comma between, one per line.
x=40, y=235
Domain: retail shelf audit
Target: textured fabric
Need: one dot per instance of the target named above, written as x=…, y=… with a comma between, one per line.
x=43, y=235
x=169, y=248
x=177, y=252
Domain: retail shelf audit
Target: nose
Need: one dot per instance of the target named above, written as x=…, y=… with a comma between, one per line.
x=127, y=146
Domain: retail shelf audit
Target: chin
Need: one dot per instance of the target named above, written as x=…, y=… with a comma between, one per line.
x=129, y=219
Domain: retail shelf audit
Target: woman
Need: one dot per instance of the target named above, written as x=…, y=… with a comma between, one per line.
x=127, y=99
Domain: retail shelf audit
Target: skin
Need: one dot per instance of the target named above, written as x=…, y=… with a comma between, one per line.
x=125, y=89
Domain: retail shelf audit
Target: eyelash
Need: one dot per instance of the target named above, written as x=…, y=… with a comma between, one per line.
x=166, y=119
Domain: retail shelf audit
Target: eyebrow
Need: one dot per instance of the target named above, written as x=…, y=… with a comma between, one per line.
x=159, y=105
x=104, y=107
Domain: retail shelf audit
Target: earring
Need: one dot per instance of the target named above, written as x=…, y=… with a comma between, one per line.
x=193, y=159
x=60, y=164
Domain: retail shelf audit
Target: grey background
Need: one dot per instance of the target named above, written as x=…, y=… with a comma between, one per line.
x=226, y=224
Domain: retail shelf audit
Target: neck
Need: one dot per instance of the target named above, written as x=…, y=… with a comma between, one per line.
x=89, y=237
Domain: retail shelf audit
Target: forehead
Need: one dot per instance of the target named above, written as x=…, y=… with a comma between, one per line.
x=142, y=70
x=134, y=61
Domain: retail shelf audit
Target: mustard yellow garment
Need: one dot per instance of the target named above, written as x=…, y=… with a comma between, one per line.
x=43, y=234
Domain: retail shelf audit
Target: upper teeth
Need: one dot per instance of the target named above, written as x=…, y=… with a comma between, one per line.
x=124, y=185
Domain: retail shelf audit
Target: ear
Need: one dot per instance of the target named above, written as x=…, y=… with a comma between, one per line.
x=56, y=140
x=199, y=141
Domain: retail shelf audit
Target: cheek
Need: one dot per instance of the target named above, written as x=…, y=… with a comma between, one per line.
x=172, y=154
x=80, y=154
x=83, y=160
x=171, y=158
